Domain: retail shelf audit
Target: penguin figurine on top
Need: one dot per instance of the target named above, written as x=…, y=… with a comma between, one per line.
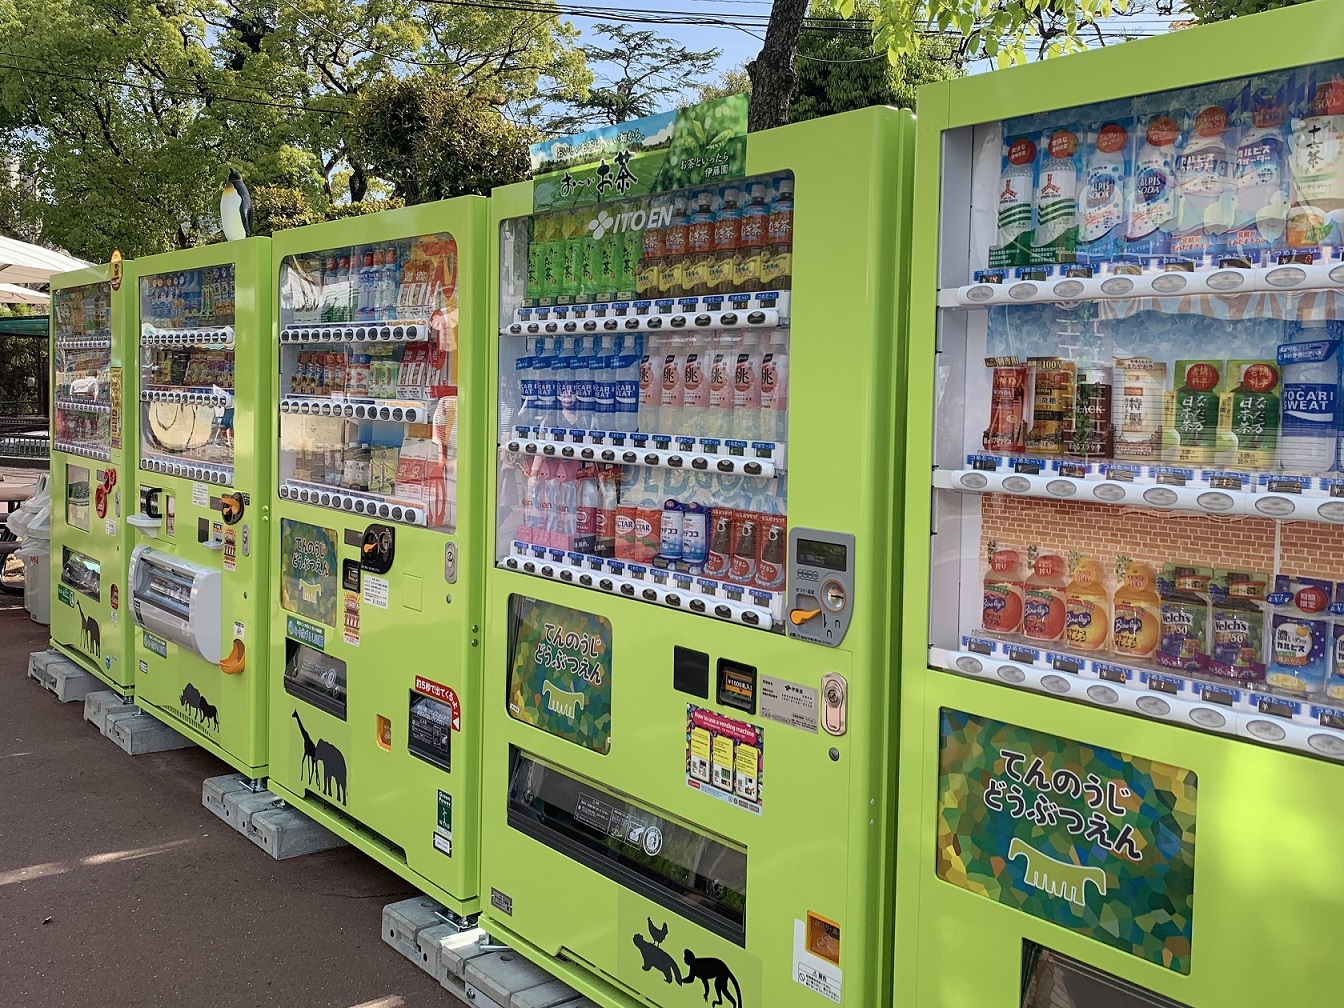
x=235, y=208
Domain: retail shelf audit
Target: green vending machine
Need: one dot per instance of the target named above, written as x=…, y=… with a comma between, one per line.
x=201, y=499
x=382, y=461
x=687, y=707
x=92, y=444
x=1123, y=665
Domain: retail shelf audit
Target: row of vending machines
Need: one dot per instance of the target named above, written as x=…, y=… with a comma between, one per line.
x=987, y=467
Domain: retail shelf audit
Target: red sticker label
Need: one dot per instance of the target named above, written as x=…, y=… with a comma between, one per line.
x=1212, y=121
x=1063, y=143
x=1163, y=131
x=1260, y=378
x=443, y=694
x=1201, y=377
x=1112, y=138
x=1022, y=152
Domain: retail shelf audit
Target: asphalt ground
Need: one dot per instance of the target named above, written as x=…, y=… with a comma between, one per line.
x=118, y=888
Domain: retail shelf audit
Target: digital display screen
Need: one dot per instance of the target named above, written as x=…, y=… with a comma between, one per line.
x=832, y=556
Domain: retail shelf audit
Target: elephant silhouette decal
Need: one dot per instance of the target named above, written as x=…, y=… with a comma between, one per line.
x=322, y=755
x=703, y=968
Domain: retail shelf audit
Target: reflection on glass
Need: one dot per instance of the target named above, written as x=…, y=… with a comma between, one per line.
x=189, y=299
x=81, y=572
x=82, y=358
x=77, y=492
x=373, y=415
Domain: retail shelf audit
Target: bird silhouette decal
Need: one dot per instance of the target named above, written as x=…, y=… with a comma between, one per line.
x=235, y=208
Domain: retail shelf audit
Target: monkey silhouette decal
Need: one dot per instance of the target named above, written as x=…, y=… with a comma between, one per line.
x=703, y=968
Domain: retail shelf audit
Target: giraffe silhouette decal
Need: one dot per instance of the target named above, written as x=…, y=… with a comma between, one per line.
x=92, y=636
x=324, y=756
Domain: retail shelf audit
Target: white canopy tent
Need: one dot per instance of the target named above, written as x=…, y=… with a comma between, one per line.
x=14, y=294
x=21, y=263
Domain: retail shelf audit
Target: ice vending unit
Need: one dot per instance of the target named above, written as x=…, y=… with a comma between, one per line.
x=687, y=705
x=383, y=450
x=1124, y=696
x=92, y=443
x=201, y=497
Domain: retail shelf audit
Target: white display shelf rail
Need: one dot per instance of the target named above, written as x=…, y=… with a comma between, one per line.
x=393, y=410
x=204, y=472
x=82, y=343
x=390, y=331
x=87, y=451
x=1290, y=277
x=690, y=593
x=188, y=396
x=82, y=406
x=1259, y=713
x=754, y=310
x=1258, y=495
x=360, y=502
x=208, y=336
x=760, y=458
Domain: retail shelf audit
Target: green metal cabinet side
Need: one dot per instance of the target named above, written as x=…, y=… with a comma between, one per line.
x=928, y=910
x=240, y=736
x=113, y=551
x=451, y=881
x=844, y=502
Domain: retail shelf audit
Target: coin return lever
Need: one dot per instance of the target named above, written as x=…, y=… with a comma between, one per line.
x=821, y=585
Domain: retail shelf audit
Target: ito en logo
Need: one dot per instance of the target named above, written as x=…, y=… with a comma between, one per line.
x=601, y=225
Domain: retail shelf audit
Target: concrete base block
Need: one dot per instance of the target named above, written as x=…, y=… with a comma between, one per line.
x=58, y=674
x=277, y=828
x=101, y=705
x=136, y=733
x=501, y=975
x=403, y=922
x=214, y=789
x=454, y=954
x=286, y=832
x=549, y=995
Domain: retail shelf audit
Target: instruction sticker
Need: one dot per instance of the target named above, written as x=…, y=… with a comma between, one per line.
x=114, y=402
x=305, y=633
x=230, y=550
x=789, y=703
x=443, y=826
x=429, y=734
x=169, y=515
x=351, y=631
x=200, y=495
x=814, y=972
x=375, y=591
x=723, y=758
x=156, y=644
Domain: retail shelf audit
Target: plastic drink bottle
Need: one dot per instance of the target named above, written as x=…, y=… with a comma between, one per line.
x=1260, y=177
x=608, y=486
x=695, y=385
x=718, y=418
x=775, y=386
x=726, y=238
x=624, y=365
x=742, y=564
x=1102, y=218
x=752, y=237
x=673, y=393
x=694, y=534
x=604, y=384
x=671, y=266
x=670, y=531
x=699, y=245
x=1316, y=160
x=1004, y=588
x=651, y=247
x=590, y=506
x=1184, y=618
x=1055, y=236
x=1043, y=599
x=747, y=391
x=1087, y=622
x=1204, y=187
x=1310, y=376
x=1136, y=624
x=1017, y=179
x=1152, y=210
x=650, y=383
x=777, y=261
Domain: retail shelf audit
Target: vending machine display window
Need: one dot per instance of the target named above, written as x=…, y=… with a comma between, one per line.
x=82, y=402
x=1138, y=466
x=82, y=573
x=701, y=877
x=77, y=493
x=1053, y=980
x=187, y=373
x=643, y=416
x=368, y=380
